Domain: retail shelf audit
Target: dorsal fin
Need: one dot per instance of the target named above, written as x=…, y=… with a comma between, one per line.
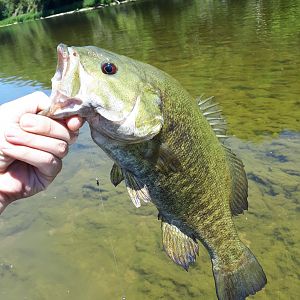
x=212, y=113
x=238, y=201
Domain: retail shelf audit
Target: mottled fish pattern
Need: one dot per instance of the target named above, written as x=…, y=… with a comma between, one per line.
x=169, y=149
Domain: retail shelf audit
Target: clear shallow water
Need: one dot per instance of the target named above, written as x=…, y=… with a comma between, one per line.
x=58, y=244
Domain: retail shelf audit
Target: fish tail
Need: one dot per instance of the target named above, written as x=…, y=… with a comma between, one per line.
x=237, y=281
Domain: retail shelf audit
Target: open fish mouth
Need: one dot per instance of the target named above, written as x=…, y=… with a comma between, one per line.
x=63, y=108
x=65, y=103
x=63, y=59
x=72, y=90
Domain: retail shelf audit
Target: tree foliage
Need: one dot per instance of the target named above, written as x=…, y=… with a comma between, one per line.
x=16, y=8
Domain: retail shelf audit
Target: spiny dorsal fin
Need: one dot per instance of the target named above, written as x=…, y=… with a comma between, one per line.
x=238, y=201
x=116, y=175
x=136, y=189
x=213, y=115
x=179, y=247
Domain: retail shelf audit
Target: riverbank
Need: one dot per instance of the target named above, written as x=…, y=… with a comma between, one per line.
x=69, y=9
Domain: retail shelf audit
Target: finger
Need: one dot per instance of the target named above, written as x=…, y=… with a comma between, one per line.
x=74, y=136
x=16, y=135
x=47, y=164
x=5, y=161
x=74, y=123
x=31, y=103
x=45, y=126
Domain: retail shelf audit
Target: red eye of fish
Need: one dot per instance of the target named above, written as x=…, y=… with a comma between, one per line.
x=109, y=68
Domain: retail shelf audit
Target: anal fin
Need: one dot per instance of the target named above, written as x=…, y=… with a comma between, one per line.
x=179, y=247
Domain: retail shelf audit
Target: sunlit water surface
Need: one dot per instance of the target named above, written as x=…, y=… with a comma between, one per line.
x=81, y=241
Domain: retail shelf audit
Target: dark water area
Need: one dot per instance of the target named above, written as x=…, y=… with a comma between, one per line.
x=79, y=240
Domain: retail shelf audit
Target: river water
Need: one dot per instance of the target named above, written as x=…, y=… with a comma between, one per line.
x=81, y=241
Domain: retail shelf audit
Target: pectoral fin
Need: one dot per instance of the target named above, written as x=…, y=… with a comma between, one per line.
x=167, y=161
x=136, y=189
x=179, y=247
x=116, y=175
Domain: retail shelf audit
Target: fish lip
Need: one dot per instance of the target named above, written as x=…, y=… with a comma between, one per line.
x=63, y=58
x=63, y=103
x=64, y=108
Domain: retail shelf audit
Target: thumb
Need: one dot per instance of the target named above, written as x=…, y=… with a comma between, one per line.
x=31, y=103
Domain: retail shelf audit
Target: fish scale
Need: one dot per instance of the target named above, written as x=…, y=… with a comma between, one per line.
x=168, y=148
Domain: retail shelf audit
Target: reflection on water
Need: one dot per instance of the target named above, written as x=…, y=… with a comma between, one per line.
x=246, y=54
x=12, y=88
x=59, y=244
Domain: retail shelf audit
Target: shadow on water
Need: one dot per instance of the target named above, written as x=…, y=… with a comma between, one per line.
x=58, y=244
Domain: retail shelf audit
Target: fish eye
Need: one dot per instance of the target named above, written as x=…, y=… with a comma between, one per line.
x=109, y=68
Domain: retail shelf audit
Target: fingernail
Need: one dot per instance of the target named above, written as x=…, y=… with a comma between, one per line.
x=28, y=121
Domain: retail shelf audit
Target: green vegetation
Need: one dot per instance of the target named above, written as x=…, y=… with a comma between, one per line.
x=20, y=18
x=18, y=11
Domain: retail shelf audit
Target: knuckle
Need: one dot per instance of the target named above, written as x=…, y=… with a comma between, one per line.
x=25, y=138
x=54, y=163
x=43, y=125
x=48, y=127
x=58, y=166
x=50, y=160
x=62, y=149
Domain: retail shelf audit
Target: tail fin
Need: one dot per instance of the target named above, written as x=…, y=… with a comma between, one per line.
x=246, y=278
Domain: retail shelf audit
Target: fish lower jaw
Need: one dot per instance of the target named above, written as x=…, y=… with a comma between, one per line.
x=109, y=130
x=101, y=137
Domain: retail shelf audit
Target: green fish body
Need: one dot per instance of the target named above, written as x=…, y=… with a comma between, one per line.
x=168, y=149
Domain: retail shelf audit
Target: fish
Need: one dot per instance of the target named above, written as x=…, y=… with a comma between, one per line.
x=169, y=149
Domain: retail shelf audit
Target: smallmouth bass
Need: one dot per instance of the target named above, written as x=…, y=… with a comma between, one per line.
x=168, y=150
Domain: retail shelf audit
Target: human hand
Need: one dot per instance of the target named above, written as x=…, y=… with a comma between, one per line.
x=31, y=147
